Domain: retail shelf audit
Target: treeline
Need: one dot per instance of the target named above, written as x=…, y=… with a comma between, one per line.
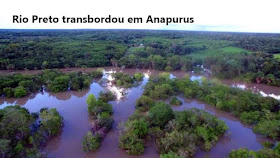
x=23, y=134
x=18, y=85
x=262, y=112
x=228, y=55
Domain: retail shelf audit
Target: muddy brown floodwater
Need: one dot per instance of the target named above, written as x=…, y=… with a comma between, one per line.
x=72, y=106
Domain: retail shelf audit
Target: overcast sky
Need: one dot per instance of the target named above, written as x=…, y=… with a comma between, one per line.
x=209, y=15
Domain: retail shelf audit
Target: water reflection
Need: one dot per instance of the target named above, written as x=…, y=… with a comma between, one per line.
x=61, y=95
x=264, y=90
x=72, y=106
x=107, y=81
x=270, y=95
x=196, y=78
x=238, y=135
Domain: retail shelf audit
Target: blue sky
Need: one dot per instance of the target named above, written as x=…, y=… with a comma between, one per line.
x=214, y=15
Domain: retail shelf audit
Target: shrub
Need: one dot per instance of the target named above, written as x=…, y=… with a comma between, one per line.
x=97, y=73
x=131, y=144
x=240, y=153
x=123, y=80
x=262, y=153
x=160, y=114
x=79, y=83
x=250, y=117
x=91, y=101
x=138, y=76
x=59, y=84
x=144, y=103
x=51, y=121
x=162, y=91
x=105, y=120
x=91, y=142
x=101, y=107
x=97, y=107
x=189, y=93
x=270, y=128
x=8, y=91
x=29, y=85
x=168, y=68
x=170, y=155
x=139, y=128
x=5, y=148
x=182, y=143
x=107, y=96
x=175, y=101
x=20, y=92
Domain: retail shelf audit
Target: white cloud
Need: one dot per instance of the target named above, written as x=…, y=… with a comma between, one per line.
x=214, y=15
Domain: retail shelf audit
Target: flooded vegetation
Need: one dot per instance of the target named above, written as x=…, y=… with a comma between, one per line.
x=72, y=106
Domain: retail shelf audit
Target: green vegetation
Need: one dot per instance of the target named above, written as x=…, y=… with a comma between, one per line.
x=18, y=85
x=19, y=92
x=138, y=77
x=162, y=91
x=175, y=101
x=98, y=73
x=79, y=81
x=170, y=155
x=131, y=140
x=144, y=103
x=266, y=152
x=176, y=134
x=107, y=96
x=100, y=111
x=59, y=83
x=22, y=133
x=91, y=142
x=122, y=79
x=247, y=56
x=160, y=114
x=261, y=112
x=96, y=107
x=277, y=56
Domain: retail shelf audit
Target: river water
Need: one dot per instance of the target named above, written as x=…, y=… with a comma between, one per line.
x=72, y=106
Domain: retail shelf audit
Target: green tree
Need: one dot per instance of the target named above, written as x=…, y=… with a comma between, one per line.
x=5, y=148
x=160, y=114
x=20, y=92
x=91, y=101
x=144, y=103
x=91, y=142
x=59, y=84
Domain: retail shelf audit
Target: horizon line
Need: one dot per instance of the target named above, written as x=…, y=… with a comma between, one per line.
x=138, y=29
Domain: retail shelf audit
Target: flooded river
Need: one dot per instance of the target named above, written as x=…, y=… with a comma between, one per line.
x=72, y=106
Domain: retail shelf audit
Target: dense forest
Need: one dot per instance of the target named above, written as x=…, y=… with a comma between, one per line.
x=23, y=134
x=245, y=56
x=248, y=56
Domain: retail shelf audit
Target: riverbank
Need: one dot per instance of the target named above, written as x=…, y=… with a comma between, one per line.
x=72, y=106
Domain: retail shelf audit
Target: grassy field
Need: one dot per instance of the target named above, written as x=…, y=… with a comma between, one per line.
x=277, y=56
x=234, y=50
